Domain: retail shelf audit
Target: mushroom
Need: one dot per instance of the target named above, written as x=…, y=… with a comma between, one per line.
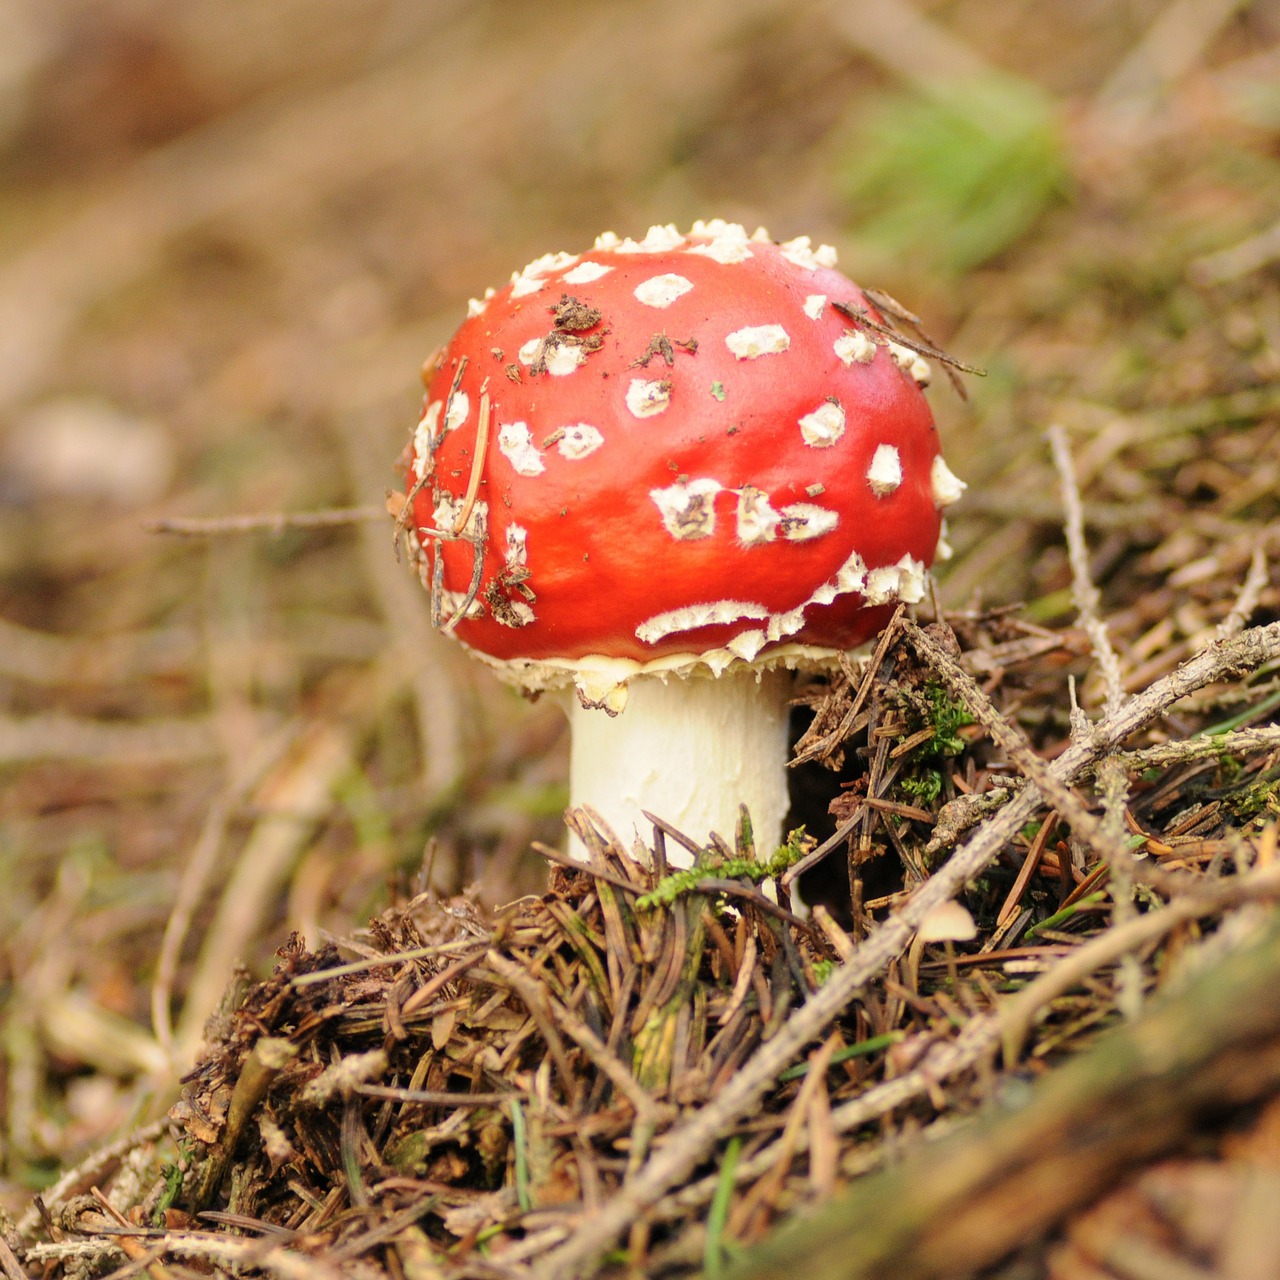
x=662, y=475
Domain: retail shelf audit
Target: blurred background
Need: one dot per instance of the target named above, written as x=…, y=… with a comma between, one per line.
x=231, y=233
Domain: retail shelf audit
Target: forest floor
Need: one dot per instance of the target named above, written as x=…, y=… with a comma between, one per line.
x=268, y=844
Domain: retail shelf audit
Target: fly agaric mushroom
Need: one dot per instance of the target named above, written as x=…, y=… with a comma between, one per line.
x=664, y=474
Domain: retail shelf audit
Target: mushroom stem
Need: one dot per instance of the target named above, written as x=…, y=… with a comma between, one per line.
x=690, y=751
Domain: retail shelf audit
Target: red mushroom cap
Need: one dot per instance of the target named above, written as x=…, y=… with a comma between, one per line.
x=682, y=447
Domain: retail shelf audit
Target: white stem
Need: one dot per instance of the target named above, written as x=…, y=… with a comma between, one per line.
x=688, y=750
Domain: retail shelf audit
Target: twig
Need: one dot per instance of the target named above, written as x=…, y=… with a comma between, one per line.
x=1011, y=740
x=477, y=464
x=268, y=1057
x=860, y=316
x=587, y=869
x=1247, y=601
x=1013, y=1173
x=537, y=1000
x=1083, y=591
x=9, y=1263
x=81, y=1177
x=274, y=522
x=479, y=541
x=688, y=1144
x=396, y=958
x=1009, y=1022
x=1015, y=1014
x=137, y=1253
x=1238, y=742
x=433, y=1097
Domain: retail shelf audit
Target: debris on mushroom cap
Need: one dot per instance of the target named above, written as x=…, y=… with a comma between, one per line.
x=707, y=457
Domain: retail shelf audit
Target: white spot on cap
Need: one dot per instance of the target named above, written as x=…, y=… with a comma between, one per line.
x=451, y=602
x=661, y=238
x=692, y=616
x=884, y=474
x=882, y=584
x=727, y=241
x=515, y=442
x=579, y=440
x=662, y=291
x=947, y=487
x=800, y=253
x=758, y=340
x=547, y=263
x=517, y=552
x=475, y=306
x=586, y=272
x=607, y=240
x=824, y=426
x=914, y=575
x=446, y=509
x=804, y=520
x=912, y=363
x=814, y=304
x=854, y=346
x=902, y=581
x=424, y=437
x=852, y=575
x=714, y=228
x=514, y=614
x=727, y=252
x=459, y=408
x=757, y=520
x=656, y=240
x=688, y=509
x=645, y=398
x=560, y=358
x=522, y=286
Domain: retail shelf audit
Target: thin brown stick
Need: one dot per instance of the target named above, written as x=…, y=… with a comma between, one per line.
x=588, y=869
x=1247, y=600
x=405, y=513
x=273, y=522
x=1083, y=592
x=477, y=467
x=9, y=1262
x=860, y=316
x=479, y=542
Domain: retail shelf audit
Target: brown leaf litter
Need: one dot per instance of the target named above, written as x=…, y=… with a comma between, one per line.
x=458, y=1092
